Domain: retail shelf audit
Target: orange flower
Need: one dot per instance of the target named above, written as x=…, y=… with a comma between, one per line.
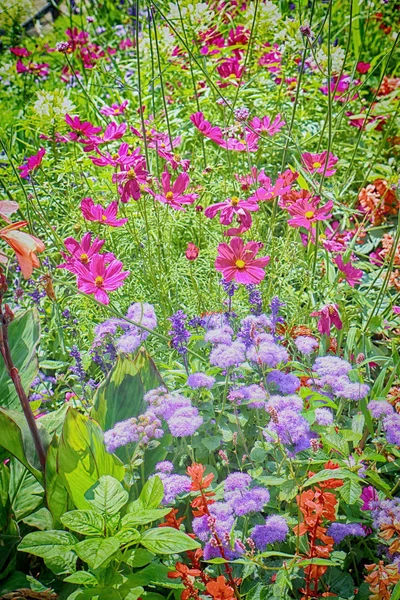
x=381, y=577
x=196, y=472
x=24, y=245
x=219, y=590
x=171, y=520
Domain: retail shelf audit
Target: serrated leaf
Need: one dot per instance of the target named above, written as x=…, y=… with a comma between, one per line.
x=166, y=540
x=350, y=491
x=96, y=552
x=86, y=522
x=107, y=496
x=288, y=491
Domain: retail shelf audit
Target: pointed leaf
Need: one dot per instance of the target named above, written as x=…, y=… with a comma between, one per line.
x=107, y=496
x=166, y=540
x=86, y=522
x=97, y=553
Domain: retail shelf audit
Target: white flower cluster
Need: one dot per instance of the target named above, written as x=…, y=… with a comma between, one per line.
x=268, y=15
x=337, y=58
x=53, y=105
x=198, y=12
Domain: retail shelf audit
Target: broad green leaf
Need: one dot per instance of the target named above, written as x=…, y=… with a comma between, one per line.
x=96, y=552
x=350, y=491
x=134, y=594
x=107, y=496
x=62, y=561
x=17, y=439
x=137, y=557
x=142, y=517
x=152, y=493
x=41, y=519
x=396, y=592
x=357, y=423
x=121, y=394
x=86, y=522
x=56, y=492
x=82, y=457
x=335, y=440
x=326, y=474
x=287, y=490
x=155, y=574
x=166, y=540
x=23, y=333
x=82, y=578
x=376, y=479
x=316, y=561
x=47, y=543
x=127, y=535
x=4, y=497
x=26, y=493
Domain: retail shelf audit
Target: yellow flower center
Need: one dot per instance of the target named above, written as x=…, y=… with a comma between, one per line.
x=84, y=259
x=114, y=156
x=309, y=214
x=99, y=281
x=235, y=200
x=169, y=195
x=177, y=158
x=131, y=174
x=240, y=263
x=103, y=218
x=317, y=165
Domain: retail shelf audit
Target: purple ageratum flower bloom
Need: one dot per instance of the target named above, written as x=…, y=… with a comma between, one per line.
x=143, y=314
x=391, y=425
x=385, y=512
x=255, y=393
x=368, y=496
x=331, y=365
x=140, y=430
x=339, y=531
x=275, y=307
x=219, y=335
x=305, y=344
x=285, y=382
x=245, y=502
x=237, y=481
x=252, y=328
x=128, y=343
x=337, y=384
x=200, y=380
x=380, y=408
x=228, y=356
x=291, y=428
x=165, y=466
x=210, y=551
x=355, y=391
x=255, y=299
x=268, y=353
x=173, y=486
x=164, y=404
x=323, y=416
x=185, y=421
x=275, y=530
x=281, y=403
x=180, y=335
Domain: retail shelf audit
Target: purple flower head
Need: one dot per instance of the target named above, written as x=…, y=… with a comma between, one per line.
x=219, y=335
x=275, y=530
x=228, y=356
x=275, y=307
x=140, y=430
x=391, y=425
x=331, y=365
x=165, y=466
x=255, y=299
x=200, y=380
x=143, y=314
x=237, y=481
x=269, y=354
x=323, y=416
x=280, y=403
x=355, y=391
x=128, y=343
x=251, y=329
x=380, y=408
x=173, y=486
x=291, y=428
x=339, y=531
x=255, y=393
x=245, y=502
x=179, y=334
x=368, y=495
x=185, y=421
x=305, y=344
x=229, y=287
x=286, y=383
x=211, y=551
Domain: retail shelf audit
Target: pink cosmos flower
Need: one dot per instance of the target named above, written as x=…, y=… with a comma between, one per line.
x=315, y=163
x=231, y=72
x=82, y=252
x=269, y=191
x=105, y=216
x=211, y=41
x=97, y=278
x=363, y=67
x=115, y=109
x=39, y=69
x=231, y=207
x=352, y=275
x=114, y=131
x=271, y=60
x=192, y=251
x=368, y=495
x=396, y=310
x=265, y=125
x=212, y=132
x=305, y=212
x=340, y=87
x=32, y=164
x=20, y=51
x=80, y=128
x=7, y=208
x=122, y=158
x=328, y=317
x=133, y=180
x=238, y=261
x=173, y=195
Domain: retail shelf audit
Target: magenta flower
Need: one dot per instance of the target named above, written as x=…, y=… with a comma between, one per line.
x=265, y=125
x=122, y=158
x=98, y=279
x=114, y=131
x=328, y=317
x=363, y=67
x=315, y=163
x=368, y=495
x=32, y=164
x=231, y=207
x=237, y=261
x=20, y=51
x=133, y=180
x=80, y=128
x=115, y=109
x=82, y=252
x=352, y=275
x=396, y=310
x=269, y=191
x=39, y=69
x=173, y=195
x=271, y=60
x=305, y=213
x=212, y=132
x=105, y=216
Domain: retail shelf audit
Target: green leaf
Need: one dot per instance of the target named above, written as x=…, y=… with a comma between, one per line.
x=134, y=594
x=326, y=474
x=138, y=557
x=96, y=552
x=107, y=496
x=378, y=482
x=155, y=574
x=86, y=522
x=23, y=333
x=47, y=543
x=150, y=496
x=316, y=561
x=41, y=519
x=121, y=395
x=166, y=540
x=82, y=457
x=56, y=492
x=287, y=491
x=212, y=442
x=142, y=517
x=396, y=592
x=26, y=493
x=17, y=439
x=127, y=535
x=4, y=497
x=335, y=440
x=350, y=491
x=357, y=423
x=82, y=578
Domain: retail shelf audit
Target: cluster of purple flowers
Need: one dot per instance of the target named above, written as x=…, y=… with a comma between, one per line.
x=174, y=484
x=339, y=531
x=275, y=530
x=306, y=344
x=182, y=418
x=287, y=424
x=179, y=334
x=140, y=430
x=391, y=421
x=200, y=380
x=333, y=373
x=242, y=498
